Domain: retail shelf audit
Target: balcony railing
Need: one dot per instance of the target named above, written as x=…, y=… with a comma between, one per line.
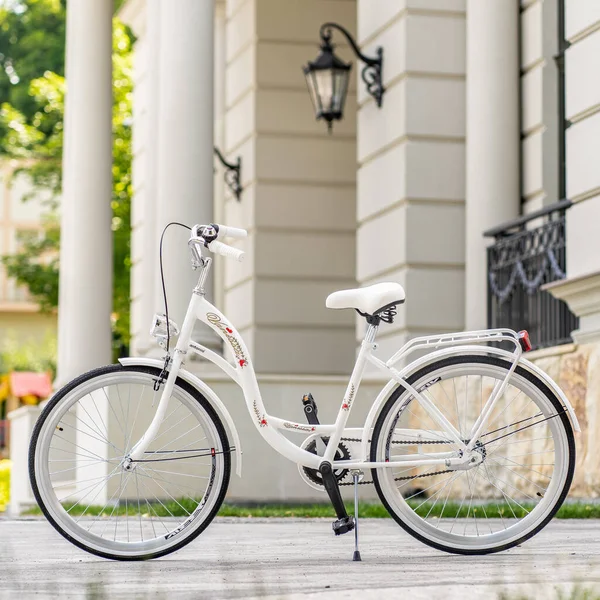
x=525, y=255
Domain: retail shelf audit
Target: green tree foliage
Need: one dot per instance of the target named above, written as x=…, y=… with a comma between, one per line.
x=32, y=41
x=37, y=139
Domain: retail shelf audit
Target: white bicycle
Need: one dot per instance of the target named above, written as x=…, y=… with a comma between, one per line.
x=470, y=446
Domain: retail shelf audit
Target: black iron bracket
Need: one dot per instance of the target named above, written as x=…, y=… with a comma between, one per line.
x=371, y=73
x=233, y=174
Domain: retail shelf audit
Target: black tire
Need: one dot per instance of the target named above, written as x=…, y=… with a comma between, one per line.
x=470, y=359
x=56, y=399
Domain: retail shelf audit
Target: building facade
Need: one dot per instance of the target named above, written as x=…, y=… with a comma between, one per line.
x=20, y=319
x=490, y=117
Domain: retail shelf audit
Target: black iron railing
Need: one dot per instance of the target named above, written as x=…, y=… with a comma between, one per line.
x=525, y=255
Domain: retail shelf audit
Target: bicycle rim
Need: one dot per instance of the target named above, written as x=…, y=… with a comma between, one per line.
x=78, y=477
x=527, y=449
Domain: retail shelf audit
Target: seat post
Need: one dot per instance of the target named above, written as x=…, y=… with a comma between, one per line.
x=371, y=333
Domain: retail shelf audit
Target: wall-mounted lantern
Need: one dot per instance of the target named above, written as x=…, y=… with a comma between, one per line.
x=327, y=76
x=233, y=174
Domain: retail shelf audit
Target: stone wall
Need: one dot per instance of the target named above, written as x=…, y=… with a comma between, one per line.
x=576, y=369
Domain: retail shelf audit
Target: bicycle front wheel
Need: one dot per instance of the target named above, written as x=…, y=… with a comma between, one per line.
x=76, y=464
x=523, y=460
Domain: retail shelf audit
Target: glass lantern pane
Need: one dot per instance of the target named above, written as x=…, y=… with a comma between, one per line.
x=340, y=88
x=312, y=89
x=324, y=85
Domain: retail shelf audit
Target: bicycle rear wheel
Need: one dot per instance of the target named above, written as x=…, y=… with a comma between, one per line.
x=523, y=468
x=76, y=464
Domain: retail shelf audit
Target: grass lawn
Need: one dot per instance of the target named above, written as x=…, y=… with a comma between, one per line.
x=571, y=510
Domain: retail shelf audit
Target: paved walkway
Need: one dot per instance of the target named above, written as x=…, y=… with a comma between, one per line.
x=299, y=559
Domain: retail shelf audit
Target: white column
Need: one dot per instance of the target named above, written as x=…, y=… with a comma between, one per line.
x=85, y=294
x=493, y=138
x=185, y=139
x=146, y=119
x=220, y=105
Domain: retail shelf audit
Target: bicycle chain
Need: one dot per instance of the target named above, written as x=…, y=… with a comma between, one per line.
x=407, y=477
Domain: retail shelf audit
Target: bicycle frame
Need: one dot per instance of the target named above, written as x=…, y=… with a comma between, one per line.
x=270, y=427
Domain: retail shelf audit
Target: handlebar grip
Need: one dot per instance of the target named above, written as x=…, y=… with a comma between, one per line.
x=232, y=232
x=225, y=250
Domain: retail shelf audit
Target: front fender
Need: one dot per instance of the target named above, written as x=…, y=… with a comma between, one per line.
x=206, y=391
x=445, y=353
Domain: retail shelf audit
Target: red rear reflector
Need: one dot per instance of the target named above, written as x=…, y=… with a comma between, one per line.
x=524, y=340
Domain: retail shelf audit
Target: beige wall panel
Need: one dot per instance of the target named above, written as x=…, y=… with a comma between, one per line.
x=241, y=121
x=435, y=107
x=291, y=112
x=305, y=254
x=532, y=35
x=439, y=296
x=582, y=237
x=436, y=44
x=435, y=170
x=236, y=272
x=239, y=305
x=299, y=20
x=580, y=15
x=435, y=234
x=582, y=75
x=583, y=150
x=280, y=65
x=441, y=5
x=373, y=15
x=326, y=160
x=240, y=75
x=298, y=303
x=240, y=29
x=304, y=350
x=310, y=207
x=532, y=98
x=380, y=127
x=231, y=6
x=241, y=214
x=432, y=170
x=381, y=244
x=532, y=148
x=381, y=182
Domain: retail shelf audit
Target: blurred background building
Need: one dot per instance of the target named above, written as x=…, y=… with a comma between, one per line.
x=475, y=185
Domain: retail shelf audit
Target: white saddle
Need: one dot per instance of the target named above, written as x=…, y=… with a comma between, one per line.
x=369, y=299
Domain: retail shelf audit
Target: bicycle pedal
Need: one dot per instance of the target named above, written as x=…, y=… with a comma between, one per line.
x=343, y=525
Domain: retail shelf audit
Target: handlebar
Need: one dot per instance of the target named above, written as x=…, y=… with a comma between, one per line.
x=225, y=250
x=208, y=236
x=232, y=232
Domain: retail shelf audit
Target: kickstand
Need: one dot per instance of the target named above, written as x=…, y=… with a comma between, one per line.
x=356, y=476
